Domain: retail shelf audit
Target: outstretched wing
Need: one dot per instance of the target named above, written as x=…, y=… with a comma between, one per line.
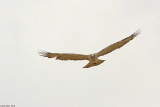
x=118, y=44
x=64, y=56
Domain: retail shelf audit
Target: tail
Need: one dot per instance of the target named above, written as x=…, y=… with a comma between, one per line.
x=90, y=64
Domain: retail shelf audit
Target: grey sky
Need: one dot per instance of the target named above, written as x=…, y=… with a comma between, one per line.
x=130, y=77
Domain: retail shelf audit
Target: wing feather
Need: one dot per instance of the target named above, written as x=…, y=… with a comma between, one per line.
x=118, y=44
x=64, y=56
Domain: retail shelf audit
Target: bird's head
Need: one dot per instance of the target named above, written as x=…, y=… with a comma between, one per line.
x=94, y=56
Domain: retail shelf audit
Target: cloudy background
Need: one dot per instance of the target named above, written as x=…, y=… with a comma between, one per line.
x=130, y=77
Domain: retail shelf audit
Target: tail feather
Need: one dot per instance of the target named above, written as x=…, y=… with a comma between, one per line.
x=90, y=64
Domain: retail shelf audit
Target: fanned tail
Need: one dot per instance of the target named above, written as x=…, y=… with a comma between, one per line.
x=90, y=64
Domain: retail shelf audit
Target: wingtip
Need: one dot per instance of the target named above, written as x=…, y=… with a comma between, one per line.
x=43, y=53
x=137, y=32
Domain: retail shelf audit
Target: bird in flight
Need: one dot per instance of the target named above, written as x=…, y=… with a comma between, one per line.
x=92, y=58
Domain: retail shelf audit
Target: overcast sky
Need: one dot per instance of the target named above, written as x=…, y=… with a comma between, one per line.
x=130, y=76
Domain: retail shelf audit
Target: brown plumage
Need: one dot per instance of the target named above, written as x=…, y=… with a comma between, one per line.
x=93, y=58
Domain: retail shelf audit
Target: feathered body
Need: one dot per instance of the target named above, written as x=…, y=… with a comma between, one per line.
x=93, y=58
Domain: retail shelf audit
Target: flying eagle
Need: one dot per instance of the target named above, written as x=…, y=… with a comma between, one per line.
x=93, y=58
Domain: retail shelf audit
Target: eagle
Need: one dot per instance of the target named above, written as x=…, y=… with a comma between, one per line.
x=92, y=58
